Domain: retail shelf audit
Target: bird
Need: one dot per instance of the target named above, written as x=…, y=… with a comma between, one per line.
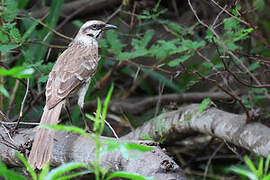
x=70, y=76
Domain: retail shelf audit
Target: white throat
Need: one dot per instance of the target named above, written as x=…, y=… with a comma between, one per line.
x=86, y=40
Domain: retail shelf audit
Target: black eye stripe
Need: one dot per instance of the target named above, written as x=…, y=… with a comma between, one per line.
x=94, y=27
x=97, y=26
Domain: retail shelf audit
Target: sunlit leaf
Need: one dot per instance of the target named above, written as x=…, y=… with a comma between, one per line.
x=4, y=91
x=204, y=104
x=27, y=165
x=64, y=168
x=122, y=174
x=7, y=47
x=176, y=62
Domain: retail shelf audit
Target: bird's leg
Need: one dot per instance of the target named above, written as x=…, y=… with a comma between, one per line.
x=81, y=94
x=87, y=129
x=66, y=106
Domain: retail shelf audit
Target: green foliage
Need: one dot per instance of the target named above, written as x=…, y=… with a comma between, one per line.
x=27, y=165
x=10, y=10
x=17, y=72
x=126, y=148
x=9, y=174
x=261, y=172
x=176, y=61
x=121, y=174
x=99, y=121
x=60, y=172
x=258, y=4
x=114, y=42
x=204, y=105
x=4, y=91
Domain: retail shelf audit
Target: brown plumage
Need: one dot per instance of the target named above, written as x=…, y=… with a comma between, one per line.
x=70, y=75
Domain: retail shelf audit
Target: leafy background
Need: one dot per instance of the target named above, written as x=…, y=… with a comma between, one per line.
x=160, y=48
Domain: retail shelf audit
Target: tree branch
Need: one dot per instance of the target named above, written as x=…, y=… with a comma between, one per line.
x=70, y=147
x=229, y=127
x=140, y=105
x=68, y=8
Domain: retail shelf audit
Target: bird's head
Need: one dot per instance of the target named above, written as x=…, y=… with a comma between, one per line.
x=93, y=30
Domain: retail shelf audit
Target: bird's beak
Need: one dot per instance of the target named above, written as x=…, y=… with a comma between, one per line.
x=109, y=26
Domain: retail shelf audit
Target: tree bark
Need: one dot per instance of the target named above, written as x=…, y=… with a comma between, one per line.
x=70, y=147
x=229, y=127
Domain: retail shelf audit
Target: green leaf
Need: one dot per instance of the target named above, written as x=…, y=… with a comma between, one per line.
x=267, y=164
x=64, y=168
x=192, y=45
x=122, y=174
x=146, y=137
x=73, y=175
x=125, y=148
x=250, y=165
x=3, y=37
x=204, y=104
x=138, y=147
x=4, y=91
x=9, y=174
x=131, y=55
x=147, y=37
x=114, y=42
x=11, y=10
x=43, y=79
x=7, y=47
x=44, y=171
x=105, y=106
x=97, y=120
x=230, y=24
x=26, y=73
x=15, y=35
x=176, y=62
x=260, y=168
x=27, y=165
x=267, y=177
x=17, y=72
x=242, y=34
x=30, y=30
x=67, y=128
x=243, y=172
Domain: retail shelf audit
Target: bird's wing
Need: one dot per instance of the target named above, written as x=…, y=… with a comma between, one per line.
x=75, y=66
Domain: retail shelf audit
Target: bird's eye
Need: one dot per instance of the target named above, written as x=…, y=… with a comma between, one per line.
x=94, y=26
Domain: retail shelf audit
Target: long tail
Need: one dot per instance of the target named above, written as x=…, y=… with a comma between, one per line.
x=43, y=142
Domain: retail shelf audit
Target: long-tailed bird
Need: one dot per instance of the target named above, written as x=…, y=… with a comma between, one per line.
x=71, y=75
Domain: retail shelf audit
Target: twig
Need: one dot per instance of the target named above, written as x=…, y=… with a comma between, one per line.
x=114, y=13
x=234, y=96
x=22, y=104
x=223, y=44
x=108, y=124
x=7, y=143
x=7, y=132
x=51, y=29
x=22, y=123
x=113, y=131
x=160, y=92
x=219, y=14
x=210, y=159
x=47, y=45
x=223, y=9
x=5, y=117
